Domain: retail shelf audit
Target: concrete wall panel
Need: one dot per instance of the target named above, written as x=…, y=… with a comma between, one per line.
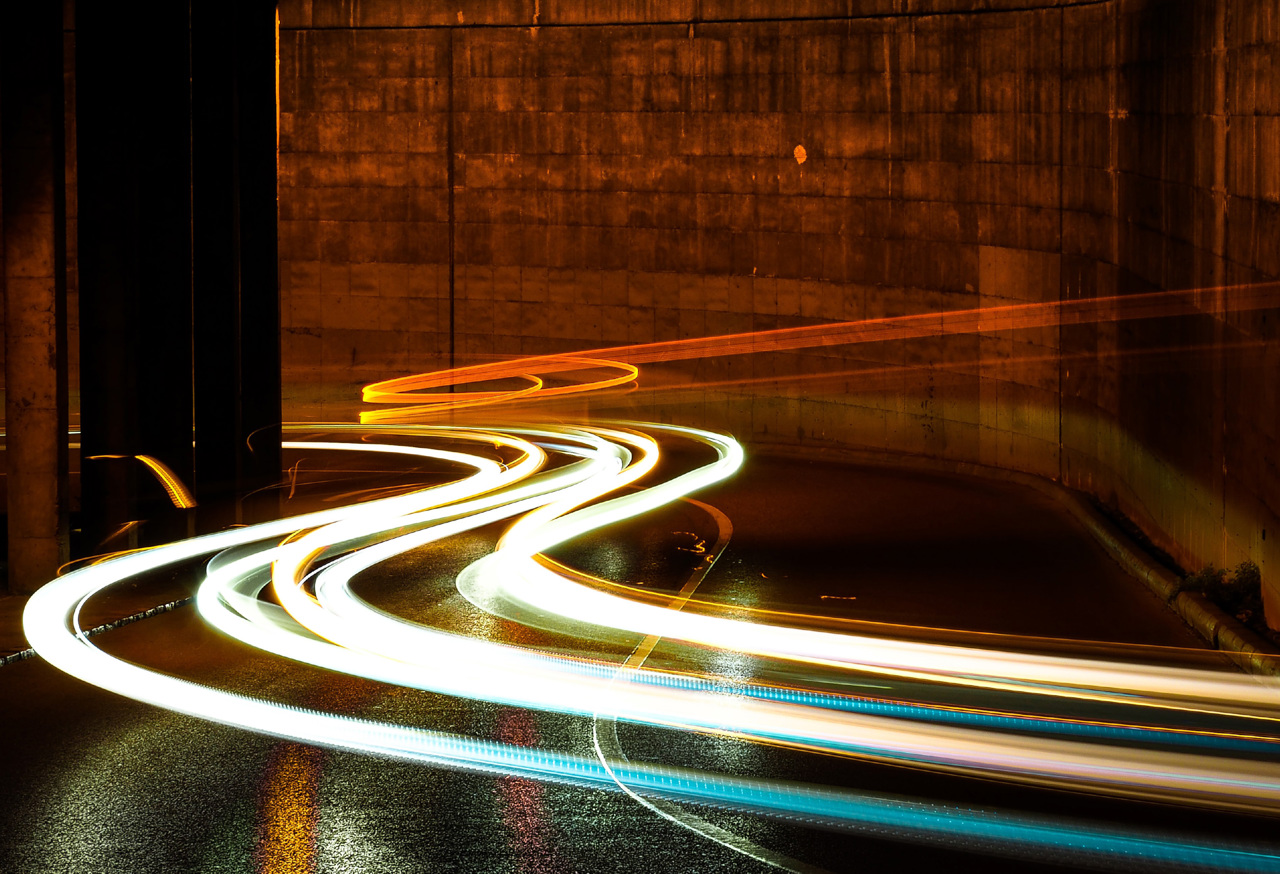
x=645, y=171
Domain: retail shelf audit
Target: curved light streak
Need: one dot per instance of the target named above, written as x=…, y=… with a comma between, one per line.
x=559, y=505
x=521, y=579
x=429, y=403
x=1081, y=311
x=172, y=484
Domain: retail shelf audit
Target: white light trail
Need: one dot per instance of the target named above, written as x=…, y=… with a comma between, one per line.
x=335, y=629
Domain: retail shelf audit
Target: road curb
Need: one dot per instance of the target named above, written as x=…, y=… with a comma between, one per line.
x=1201, y=614
x=1218, y=628
x=24, y=654
x=1248, y=649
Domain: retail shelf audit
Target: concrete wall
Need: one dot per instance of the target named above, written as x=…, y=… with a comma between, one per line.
x=629, y=173
x=499, y=178
x=71, y=215
x=1172, y=150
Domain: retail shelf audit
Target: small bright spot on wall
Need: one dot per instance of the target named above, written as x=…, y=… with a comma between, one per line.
x=800, y=154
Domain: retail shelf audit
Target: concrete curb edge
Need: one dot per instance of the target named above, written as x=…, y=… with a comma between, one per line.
x=21, y=655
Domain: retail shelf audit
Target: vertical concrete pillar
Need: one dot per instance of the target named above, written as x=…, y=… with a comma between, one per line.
x=33, y=227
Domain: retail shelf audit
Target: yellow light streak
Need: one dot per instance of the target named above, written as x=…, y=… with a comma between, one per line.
x=173, y=486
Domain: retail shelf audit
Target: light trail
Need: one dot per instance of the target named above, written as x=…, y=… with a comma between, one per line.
x=173, y=486
x=1130, y=307
x=521, y=579
x=411, y=388
x=554, y=512
x=309, y=562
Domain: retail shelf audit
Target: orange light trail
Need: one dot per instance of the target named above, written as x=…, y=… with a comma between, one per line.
x=410, y=388
x=173, y=486
x=1013, y=317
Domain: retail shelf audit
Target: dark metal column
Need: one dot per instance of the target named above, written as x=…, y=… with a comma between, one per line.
x=133, y=121
x=256, y=89
x=237, y=298
x=34, y=284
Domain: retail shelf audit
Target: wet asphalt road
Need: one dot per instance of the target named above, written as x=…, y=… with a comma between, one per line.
x=94, y=782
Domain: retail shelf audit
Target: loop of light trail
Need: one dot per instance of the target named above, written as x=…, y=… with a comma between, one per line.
x=428, y=403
